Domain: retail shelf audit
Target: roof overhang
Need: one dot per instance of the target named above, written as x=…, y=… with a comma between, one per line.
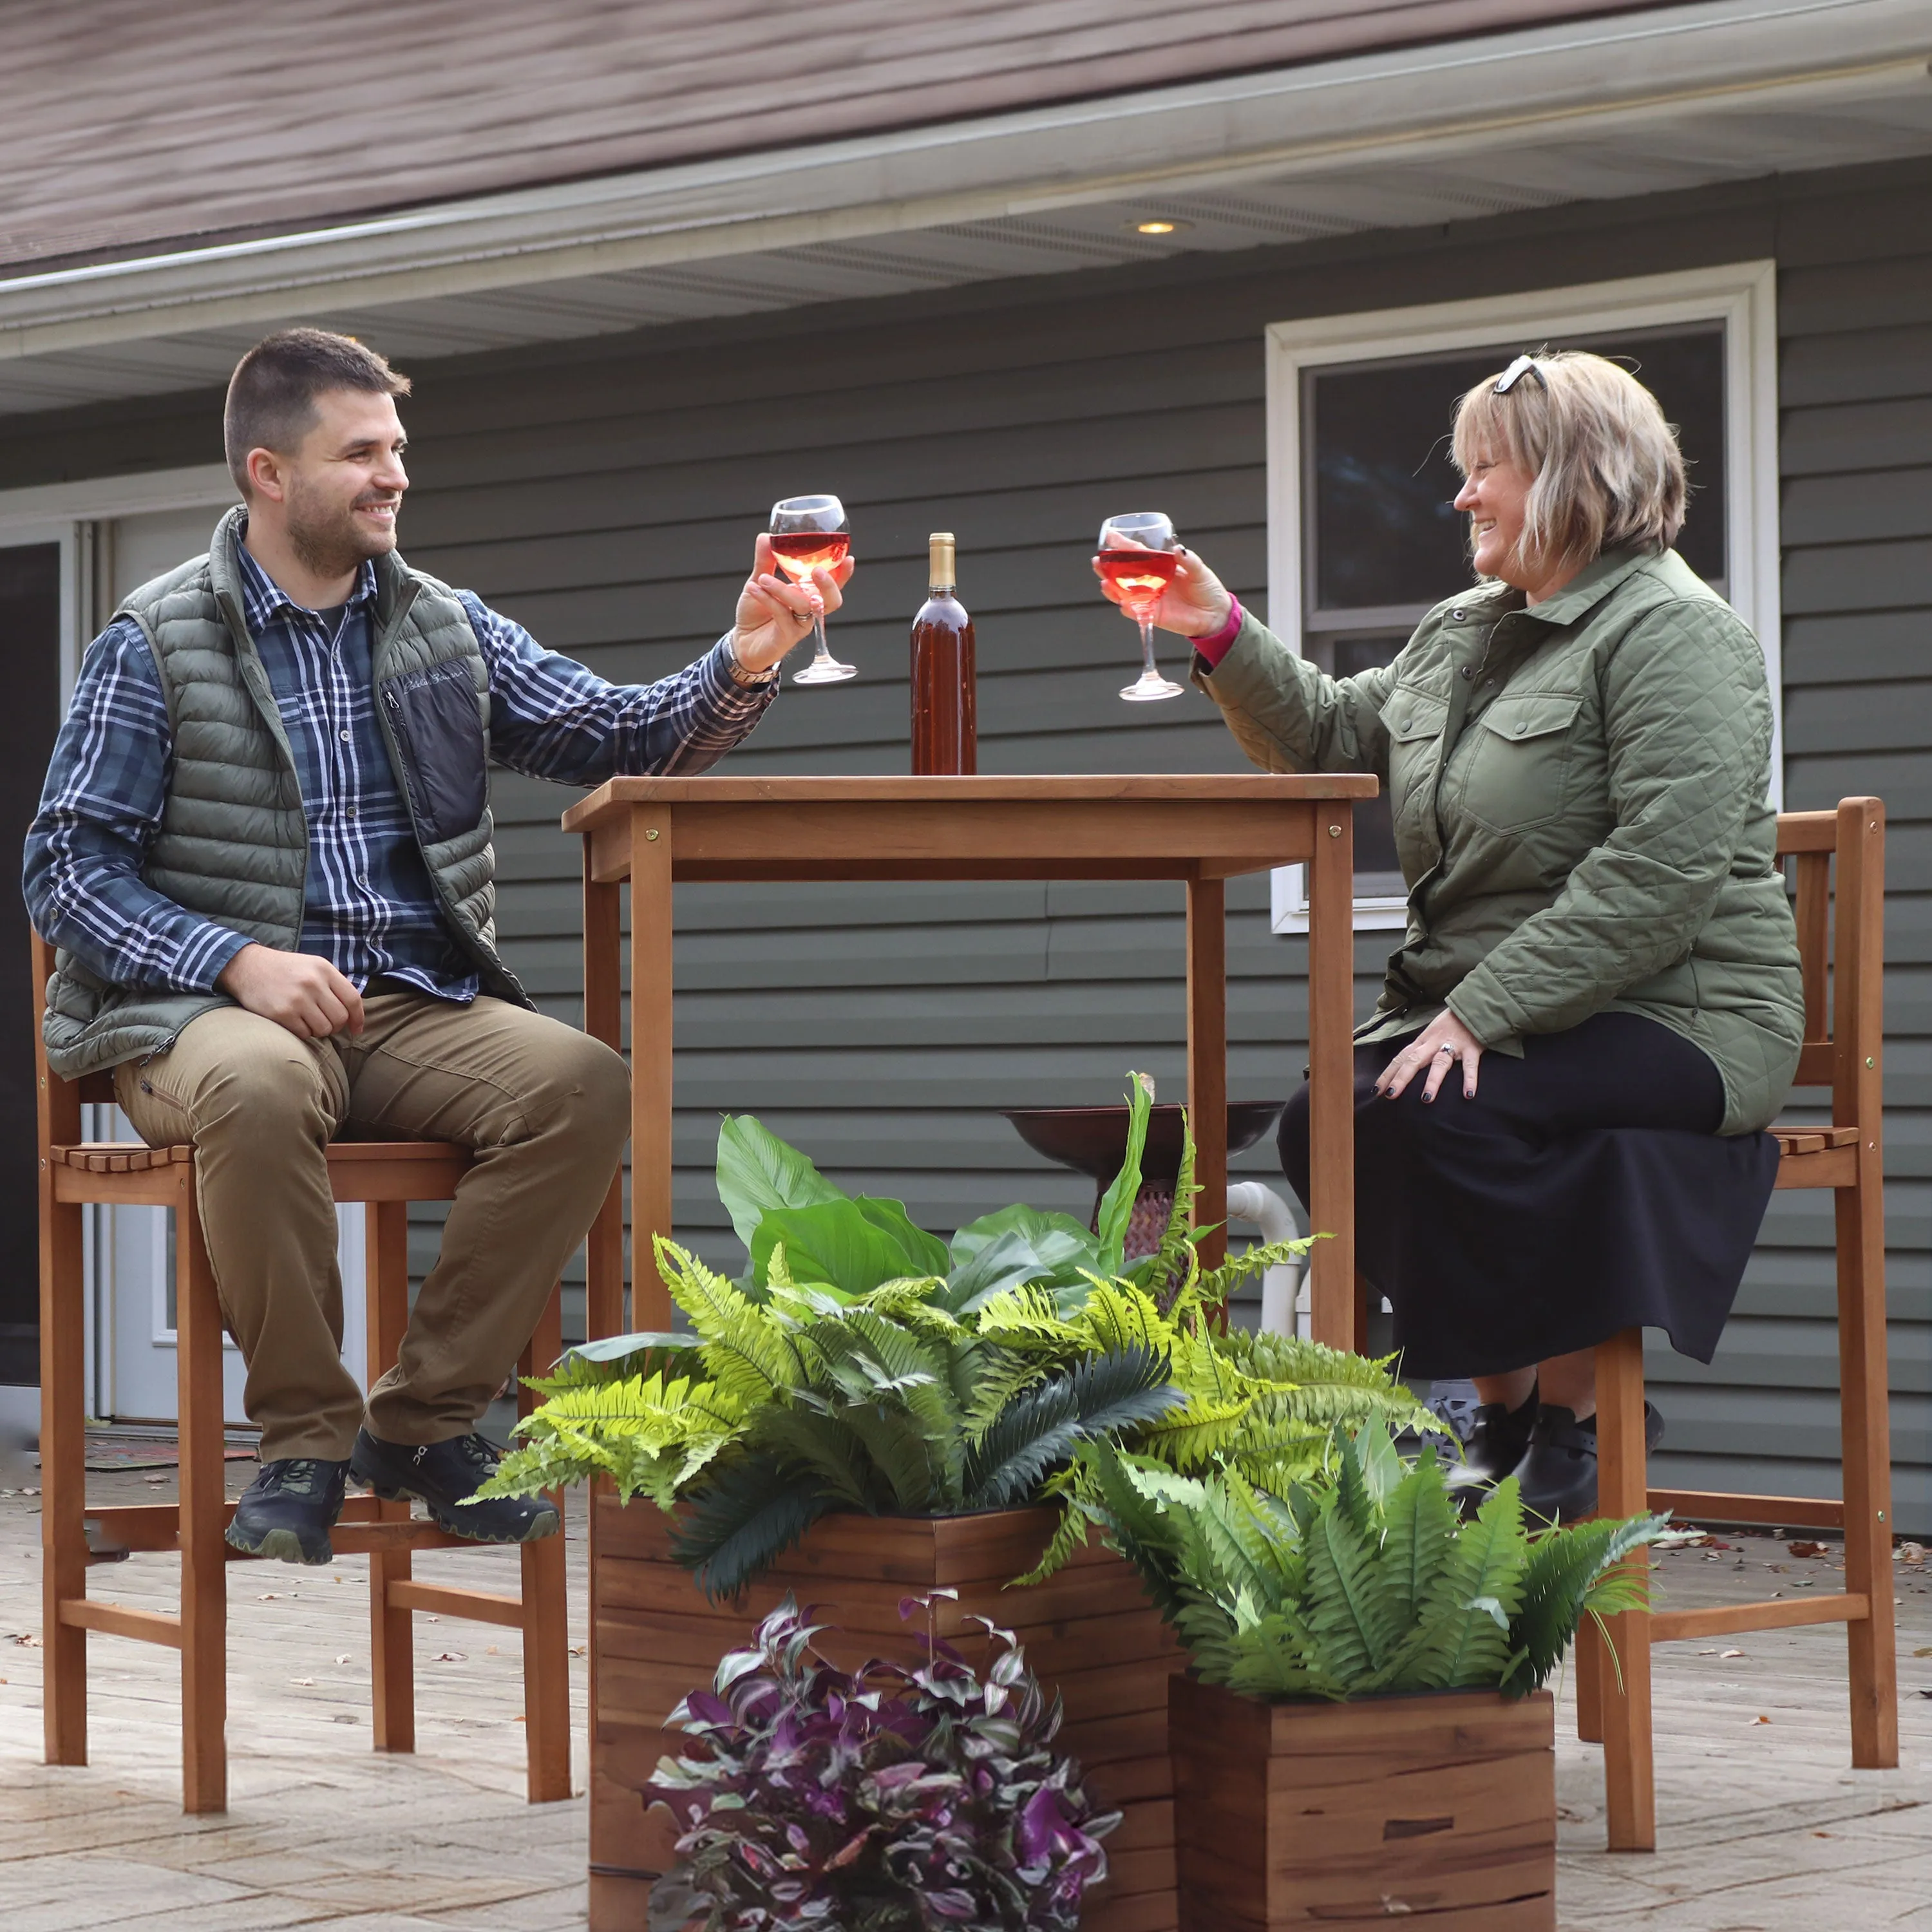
x=1675, y=97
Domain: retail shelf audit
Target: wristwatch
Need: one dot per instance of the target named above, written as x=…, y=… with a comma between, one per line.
x=750, y=680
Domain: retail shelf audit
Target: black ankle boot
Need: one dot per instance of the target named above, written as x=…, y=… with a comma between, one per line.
x=288, y=1510
x=1495, y=1444
x=1558, y=1471
x=446, y=1475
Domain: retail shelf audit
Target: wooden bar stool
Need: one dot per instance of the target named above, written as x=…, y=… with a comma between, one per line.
x=387, y=1175
x=1844, y=1050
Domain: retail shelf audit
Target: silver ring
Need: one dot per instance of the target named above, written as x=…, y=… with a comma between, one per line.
x=1449, y=1050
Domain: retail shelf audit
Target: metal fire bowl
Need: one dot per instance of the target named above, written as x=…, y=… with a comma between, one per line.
x=1093, y=1141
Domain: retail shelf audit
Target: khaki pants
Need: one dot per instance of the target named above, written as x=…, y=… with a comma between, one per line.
x=545, y=1108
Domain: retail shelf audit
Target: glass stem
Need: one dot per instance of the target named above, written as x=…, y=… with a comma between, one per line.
x=823, y=653
x=1146, y=649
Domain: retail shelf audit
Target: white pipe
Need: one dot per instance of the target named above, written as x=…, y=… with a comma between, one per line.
x=1249, y=1200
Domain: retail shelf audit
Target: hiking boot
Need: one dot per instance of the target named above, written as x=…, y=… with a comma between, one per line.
x=1558, y=1471
x=444, y=1475
x=1497, y=1441
x=288, y=1510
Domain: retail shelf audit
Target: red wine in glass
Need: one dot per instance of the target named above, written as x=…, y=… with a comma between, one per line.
x=1139, y=554
x=800, y=553
x=809, y=533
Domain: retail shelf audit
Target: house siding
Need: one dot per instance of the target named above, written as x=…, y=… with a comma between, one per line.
x=606, y=494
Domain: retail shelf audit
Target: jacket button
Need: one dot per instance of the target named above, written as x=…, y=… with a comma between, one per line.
x=147, y=1086
x=1456, y=616
x=1468, y=671
x=1519, y=729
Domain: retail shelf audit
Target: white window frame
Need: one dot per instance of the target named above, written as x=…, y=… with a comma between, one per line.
x=1742, y=295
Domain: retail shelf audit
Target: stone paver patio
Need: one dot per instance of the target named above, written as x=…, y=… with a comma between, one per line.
x=1764, y=1826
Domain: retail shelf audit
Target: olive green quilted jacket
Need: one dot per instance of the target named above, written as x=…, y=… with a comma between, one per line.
x=1579, y=793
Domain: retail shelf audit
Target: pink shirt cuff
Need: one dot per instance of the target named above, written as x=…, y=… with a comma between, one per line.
x=1213, y=647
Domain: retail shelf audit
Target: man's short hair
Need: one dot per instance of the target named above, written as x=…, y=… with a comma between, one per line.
x=271, y=395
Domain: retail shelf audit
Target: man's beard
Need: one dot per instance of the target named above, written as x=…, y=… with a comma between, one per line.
x=328, y=540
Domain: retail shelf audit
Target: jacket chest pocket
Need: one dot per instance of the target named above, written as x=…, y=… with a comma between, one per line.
x=1520, y=753
x=1413, y=723
x=436, y=718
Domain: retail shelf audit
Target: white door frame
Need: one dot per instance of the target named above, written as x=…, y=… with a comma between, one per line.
x=68, y=514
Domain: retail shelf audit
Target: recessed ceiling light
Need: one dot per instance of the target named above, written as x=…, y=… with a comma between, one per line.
x=1158, y=227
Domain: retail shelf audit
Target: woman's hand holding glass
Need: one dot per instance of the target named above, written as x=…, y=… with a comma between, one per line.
x=1195, y=604
x=774, y=616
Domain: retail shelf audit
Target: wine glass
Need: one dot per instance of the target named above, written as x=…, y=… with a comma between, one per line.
x=1138, y=557
x=809, y=533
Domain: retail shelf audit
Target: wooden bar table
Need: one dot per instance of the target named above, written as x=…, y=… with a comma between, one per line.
x=656, y=832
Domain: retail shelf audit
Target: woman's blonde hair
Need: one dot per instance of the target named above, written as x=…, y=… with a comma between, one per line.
x=1609, y=473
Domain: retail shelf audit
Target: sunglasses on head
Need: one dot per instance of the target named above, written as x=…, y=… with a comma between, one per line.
x=1523, y=365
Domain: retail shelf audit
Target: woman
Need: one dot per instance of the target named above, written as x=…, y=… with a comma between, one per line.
x=1561, y=1096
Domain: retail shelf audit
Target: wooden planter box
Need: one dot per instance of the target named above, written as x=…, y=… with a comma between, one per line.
x=1438, y=1810
x=1090, y=1632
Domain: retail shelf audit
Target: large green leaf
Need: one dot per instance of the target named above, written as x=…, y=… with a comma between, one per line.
x=835, y=1242
x=1013, y=1247
x=756, y=1172
x=927, y=1253
x=1116, y=1204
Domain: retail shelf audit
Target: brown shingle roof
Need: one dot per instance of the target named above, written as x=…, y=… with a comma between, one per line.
x=130, y=124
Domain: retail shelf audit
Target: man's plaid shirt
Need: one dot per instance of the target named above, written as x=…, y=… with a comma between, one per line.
x=369, y=907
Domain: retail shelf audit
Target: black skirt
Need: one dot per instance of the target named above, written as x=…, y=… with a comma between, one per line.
x=1583, y=1191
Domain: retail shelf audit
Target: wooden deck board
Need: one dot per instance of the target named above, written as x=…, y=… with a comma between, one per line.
x=1766, y=1821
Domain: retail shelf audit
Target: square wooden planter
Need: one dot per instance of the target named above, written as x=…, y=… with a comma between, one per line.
x=1438, y=1810
x=1090, y=1632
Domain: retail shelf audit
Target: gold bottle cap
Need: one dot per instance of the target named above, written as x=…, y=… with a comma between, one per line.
x=939, y=547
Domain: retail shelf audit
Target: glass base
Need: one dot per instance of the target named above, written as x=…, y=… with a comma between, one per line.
x=1150, y=686
x=825, y=670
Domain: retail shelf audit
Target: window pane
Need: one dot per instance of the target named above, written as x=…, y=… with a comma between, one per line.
x=1384, y=533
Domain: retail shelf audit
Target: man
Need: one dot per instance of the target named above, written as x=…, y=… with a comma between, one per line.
x=264, y=855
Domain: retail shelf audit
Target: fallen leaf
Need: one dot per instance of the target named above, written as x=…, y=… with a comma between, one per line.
x=1822, y=1834
x=303, y=1683
x=344, y=1658
x=28, y=1641
x=579, y=1649
x=1730, y=1653
x=1923, y=1650
x=450, y=1657
x=489, y=1650
x=268, y=1597
x=1762, y=1720
x=1809, y=1548
x=518, y=1718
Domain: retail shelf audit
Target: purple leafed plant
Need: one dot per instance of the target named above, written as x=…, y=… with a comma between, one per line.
x=891, y=1800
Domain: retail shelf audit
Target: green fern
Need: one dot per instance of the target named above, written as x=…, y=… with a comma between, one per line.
x=1040, y=1428
x=1364, y=1581
x=752, y=1510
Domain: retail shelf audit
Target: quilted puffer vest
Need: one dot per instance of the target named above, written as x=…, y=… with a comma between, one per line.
x=233, y=840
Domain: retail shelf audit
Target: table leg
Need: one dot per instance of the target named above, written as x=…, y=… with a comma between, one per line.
x=651, y=832
x=1331, y=1012
x=1207, y=1058
x=604, y=1019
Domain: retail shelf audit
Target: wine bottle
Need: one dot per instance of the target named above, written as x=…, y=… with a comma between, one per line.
x=945, y=728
